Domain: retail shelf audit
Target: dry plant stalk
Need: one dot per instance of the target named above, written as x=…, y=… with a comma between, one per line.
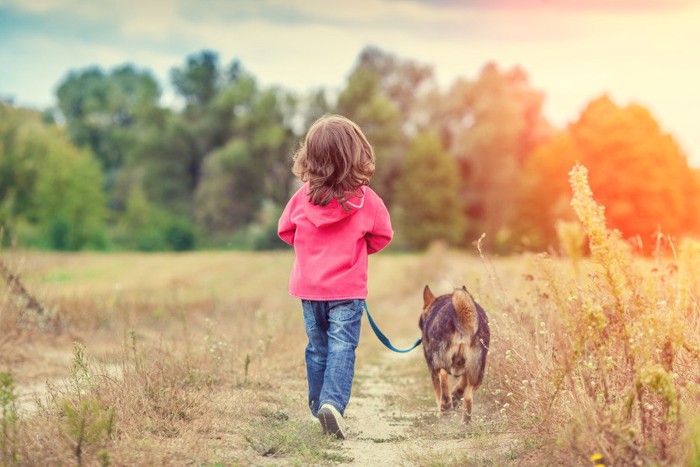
x=14, y=283
x=625, y=367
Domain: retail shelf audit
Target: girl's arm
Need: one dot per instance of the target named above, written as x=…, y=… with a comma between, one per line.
x=285, y=228
x=381, y=233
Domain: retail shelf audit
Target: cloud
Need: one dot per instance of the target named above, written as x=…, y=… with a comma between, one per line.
x=564, y=5
x=574, y=50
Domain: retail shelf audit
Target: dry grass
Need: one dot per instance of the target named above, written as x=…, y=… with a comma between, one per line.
x=198, y=358
x=184, y=353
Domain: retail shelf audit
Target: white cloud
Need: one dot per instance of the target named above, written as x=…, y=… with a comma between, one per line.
x=366, y=11
x=156, y=19
x=648, y=56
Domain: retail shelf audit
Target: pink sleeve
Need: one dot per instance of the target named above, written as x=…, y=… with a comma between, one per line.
x=285, y=228
x=381, y=233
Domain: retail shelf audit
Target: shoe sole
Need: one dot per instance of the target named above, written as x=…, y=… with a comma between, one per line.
x=330, y=424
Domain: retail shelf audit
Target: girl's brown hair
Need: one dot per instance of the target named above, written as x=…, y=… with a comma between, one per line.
x=335, y=158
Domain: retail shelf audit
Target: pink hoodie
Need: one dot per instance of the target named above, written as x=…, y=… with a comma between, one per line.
x=332, y=244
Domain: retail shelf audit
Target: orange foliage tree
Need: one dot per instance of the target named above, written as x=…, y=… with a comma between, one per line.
x=638, y=172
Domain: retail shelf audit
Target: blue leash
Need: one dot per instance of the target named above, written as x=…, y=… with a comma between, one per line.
x=384, y=340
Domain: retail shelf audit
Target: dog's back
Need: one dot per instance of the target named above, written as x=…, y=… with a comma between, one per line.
x=456, y=338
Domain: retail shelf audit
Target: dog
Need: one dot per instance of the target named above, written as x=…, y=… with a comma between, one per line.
x=456, y=339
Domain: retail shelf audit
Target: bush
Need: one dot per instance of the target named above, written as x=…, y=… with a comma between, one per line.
x=179, y=235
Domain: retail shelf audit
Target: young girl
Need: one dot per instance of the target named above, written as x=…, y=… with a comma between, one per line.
x=334, y=221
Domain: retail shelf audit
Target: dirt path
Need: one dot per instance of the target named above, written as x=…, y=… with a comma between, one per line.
x=377, y=431
x=388, y=428
x=30, y=394
x=52, y=369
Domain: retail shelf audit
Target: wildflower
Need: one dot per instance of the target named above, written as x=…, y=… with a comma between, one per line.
x=597, y=460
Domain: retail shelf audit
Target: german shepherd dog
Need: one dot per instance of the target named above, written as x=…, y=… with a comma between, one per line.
x=456, y=340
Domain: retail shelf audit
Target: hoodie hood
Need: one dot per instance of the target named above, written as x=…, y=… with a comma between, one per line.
x=323, y=216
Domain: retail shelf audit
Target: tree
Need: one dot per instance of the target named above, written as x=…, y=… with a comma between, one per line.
x=313, y=106
x=428, y=207
x=490, y=125
x=231, y=133
x=148, y=227
x=202, y=79
x=380, y=95
x=230, y=194
x=50, y=191
x=401, y=80
x=20, y=160
x=637, y=172
x=109, y=113
x=252, y=167
x=68, y=197
x=171, y=170
x=545, y=187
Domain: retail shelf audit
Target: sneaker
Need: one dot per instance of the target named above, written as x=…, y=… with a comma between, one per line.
x=331, y=421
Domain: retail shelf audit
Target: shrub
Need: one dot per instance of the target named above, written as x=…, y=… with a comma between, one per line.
x=179, y=235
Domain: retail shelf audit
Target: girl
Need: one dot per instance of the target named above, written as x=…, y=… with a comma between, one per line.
x=333, y=222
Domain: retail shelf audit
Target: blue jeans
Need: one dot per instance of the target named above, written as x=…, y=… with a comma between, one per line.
x=333, y=328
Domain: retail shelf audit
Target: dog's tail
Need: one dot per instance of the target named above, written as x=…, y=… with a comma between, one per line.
x=465, y=309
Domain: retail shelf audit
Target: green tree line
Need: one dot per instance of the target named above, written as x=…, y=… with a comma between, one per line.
x=110, y=167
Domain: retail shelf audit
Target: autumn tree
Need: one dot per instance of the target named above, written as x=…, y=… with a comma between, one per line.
x=637, y=171
x=544, y=189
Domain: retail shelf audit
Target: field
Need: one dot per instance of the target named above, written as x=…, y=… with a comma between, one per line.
x=142, y=359
x=135, y=359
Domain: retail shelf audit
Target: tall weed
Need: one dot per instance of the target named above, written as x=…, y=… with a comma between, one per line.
x=629, y=366
x=9, y=420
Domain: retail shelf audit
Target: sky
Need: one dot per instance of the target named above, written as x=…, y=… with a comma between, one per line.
x=636, y=51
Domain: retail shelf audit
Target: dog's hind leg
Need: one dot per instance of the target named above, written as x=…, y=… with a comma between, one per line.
x=442, y=390
x=468, y=395
x=437, y=387
x=458, y=391
x=445, y=400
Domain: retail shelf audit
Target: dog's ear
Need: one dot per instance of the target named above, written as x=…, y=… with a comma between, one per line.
x=428, y=297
